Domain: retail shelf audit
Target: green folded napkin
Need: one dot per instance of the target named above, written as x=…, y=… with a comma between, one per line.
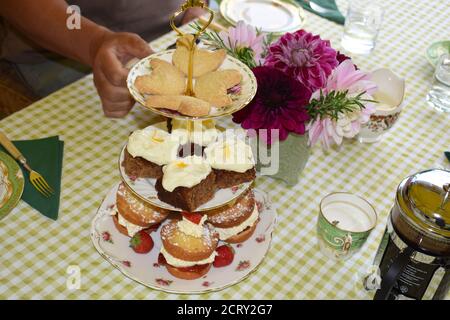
x=324, y=8
x=46, y=157
x=447, y=154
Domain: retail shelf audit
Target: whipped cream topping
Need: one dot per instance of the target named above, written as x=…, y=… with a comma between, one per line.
x=225, y=233
x=132, y=229
x=173, y=261
x=185, y=172
x=230, y=153
x=154, y=145
x=190, y=228
x=203, y=134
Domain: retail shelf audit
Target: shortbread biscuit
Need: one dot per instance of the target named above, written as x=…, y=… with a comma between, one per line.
x=212, y=87
x=205, y=61
x=164, y=79
x=186, y=105
x=192, y=106
x=171, y=102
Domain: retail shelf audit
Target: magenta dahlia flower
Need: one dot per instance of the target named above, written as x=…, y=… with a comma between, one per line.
x=280, y=103
x=303, y=56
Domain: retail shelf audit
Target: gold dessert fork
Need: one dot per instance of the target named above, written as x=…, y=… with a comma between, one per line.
x=35, y=178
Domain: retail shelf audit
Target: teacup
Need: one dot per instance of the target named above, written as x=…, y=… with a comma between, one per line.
x=390, y=94
x=344, y=224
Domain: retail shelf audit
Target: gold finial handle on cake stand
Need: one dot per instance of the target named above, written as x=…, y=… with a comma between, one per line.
x=187, y=5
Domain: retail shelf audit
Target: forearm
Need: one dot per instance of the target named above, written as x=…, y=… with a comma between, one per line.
x=45, y=23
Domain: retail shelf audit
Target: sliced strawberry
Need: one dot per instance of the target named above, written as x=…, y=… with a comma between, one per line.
x=224, y=257
x=153, y=228
x=192, y=216
x=141, y=242
x=198, y=268
x=161, y=259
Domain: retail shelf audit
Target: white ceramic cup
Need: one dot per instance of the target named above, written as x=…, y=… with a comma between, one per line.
x=390, y=94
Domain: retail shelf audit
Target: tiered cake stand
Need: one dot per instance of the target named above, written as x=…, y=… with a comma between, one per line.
x=114, y=247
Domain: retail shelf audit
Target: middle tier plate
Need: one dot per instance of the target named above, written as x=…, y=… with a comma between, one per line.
x=144, y=188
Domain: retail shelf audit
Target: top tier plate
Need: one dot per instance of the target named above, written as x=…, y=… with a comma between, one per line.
x=248, y=86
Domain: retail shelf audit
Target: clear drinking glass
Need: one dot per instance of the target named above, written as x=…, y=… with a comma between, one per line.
x=439, y=94
x=362, y=23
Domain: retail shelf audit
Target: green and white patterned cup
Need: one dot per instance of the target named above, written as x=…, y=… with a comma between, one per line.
x=345, y=221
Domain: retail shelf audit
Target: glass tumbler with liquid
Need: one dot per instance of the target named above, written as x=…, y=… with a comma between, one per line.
x=362, y=24
x=439, y=95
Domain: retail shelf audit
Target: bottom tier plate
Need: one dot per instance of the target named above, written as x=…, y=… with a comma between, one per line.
x=144, y=268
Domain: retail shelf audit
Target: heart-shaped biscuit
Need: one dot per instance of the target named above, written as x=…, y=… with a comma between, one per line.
x=186, y=105
x=213, y=86
x=205, y=61
x=165, y=79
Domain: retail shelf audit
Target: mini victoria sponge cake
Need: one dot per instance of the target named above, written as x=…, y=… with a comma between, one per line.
x=236, y=222
x=188, y=256
x=134, y=215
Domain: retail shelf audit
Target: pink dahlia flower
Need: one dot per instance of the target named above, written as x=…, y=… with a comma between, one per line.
x=332, y=131
x=304, y=56
x=347, y=77
x=329, y=131
x=280, y=103
x=244, y=36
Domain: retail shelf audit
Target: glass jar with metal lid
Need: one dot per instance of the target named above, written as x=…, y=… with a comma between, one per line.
x=415, y=250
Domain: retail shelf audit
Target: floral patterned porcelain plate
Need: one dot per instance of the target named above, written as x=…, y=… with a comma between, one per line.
x=11, y=184
x=240, y=100
x=144, y=268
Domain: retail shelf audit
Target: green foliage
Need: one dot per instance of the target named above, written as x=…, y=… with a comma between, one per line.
x=335, y=103
x=213, y=39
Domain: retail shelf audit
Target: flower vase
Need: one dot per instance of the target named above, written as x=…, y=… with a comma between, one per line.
x=284, y=160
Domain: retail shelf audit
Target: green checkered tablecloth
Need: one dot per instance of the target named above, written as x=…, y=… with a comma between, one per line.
x=36, y=252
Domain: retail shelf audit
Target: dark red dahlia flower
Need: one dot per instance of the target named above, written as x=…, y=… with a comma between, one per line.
x=280, y=103
x=342, y=57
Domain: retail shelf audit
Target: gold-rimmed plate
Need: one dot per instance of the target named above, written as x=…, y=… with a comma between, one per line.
x=273, y=16
x=240, y=100
x=11, y=184
x=145, y=269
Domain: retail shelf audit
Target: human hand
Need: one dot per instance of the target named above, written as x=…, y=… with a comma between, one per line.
x=191, y=14
x=109, y=54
